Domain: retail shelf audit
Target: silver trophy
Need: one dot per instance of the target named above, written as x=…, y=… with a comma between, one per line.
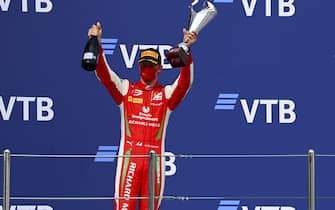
x=177, y=56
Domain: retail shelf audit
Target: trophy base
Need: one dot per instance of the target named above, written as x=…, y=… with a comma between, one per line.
x=177, y=57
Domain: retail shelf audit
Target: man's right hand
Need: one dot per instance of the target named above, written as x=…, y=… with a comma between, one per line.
x=95, y=30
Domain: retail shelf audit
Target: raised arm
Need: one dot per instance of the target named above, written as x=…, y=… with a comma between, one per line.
x=176, y=92
x=116, y=87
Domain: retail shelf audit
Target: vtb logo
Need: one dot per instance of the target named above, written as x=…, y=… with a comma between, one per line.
x=286, y=107
x=235, y=205
x=44, y=107
x=41, y=6
x=129, y=54
x=286, y=8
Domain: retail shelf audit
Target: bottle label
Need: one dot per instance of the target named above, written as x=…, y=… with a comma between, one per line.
x=89, y=55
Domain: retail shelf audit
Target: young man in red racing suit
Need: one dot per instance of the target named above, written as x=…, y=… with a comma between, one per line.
x=145, y=108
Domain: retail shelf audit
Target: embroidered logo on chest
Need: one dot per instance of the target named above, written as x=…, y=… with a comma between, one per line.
x=146, y=109
x=157, y=96
x=137, y=92
x=135, y=100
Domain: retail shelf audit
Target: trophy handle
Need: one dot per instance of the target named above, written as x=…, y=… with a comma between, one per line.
x=203, y=17
x=194, y=2
x=192, y=14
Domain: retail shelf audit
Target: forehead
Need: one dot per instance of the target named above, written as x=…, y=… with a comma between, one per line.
x=148, y=63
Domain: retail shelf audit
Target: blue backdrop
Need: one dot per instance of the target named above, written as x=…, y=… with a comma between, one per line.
x=264, y=81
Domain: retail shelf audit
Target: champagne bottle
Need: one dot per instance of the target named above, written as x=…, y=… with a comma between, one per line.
x=90, y=55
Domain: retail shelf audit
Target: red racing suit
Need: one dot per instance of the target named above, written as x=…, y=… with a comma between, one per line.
x=145, y=112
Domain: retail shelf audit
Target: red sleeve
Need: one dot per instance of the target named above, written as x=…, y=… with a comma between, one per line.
x=109, y=78
x=181, y=85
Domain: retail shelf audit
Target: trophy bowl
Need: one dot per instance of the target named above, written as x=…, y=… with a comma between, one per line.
x=177, y=56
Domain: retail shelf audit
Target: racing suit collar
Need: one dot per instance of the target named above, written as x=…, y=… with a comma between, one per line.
x=142, y=86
